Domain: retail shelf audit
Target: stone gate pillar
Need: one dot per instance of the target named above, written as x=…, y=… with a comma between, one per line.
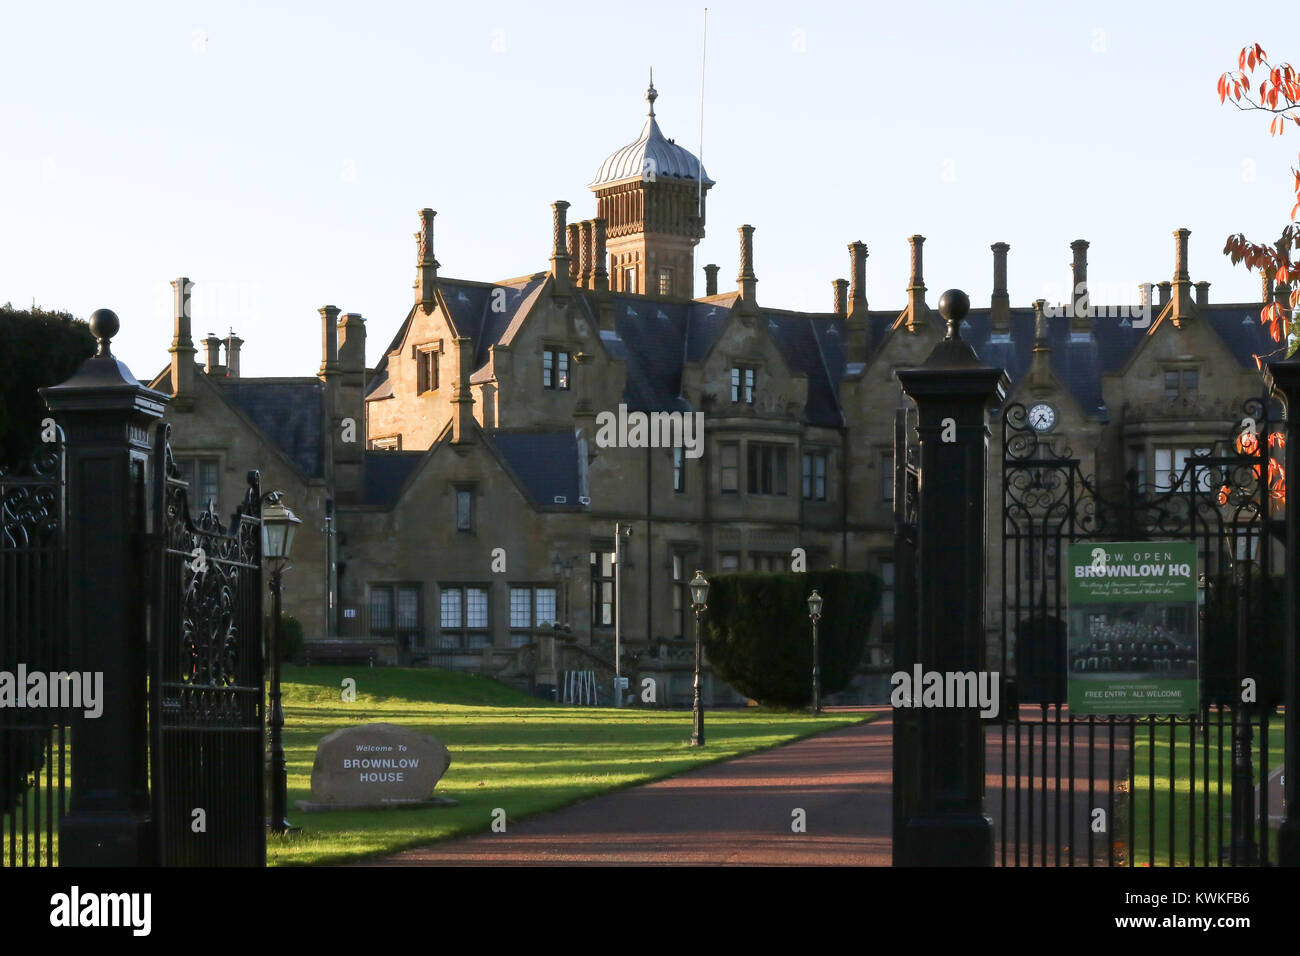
x=106, y=415
x=946, y=824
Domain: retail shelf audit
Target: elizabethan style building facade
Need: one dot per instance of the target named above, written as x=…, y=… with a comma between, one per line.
x=460, y=496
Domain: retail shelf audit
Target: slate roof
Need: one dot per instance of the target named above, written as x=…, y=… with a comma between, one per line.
x=290, y=414
x=384, y=473
x=545, y=462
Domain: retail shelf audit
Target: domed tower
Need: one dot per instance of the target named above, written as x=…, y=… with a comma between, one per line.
x=649, y=194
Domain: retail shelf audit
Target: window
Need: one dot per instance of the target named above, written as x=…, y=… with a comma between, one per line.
x=629, y=279
x=1137, y=461
x=767, y=469
x=742, y=384
x=665, y=281
x=728, y=561
x=203, y=477
x=465, y=509
x=602, y=589
x=1170, y=463
x=886, y=590
x=814, y=475
x=770, y=563
x=388, y=443
x=555, y=369
x=679, y=469
x=886, y=476
x=1182, y=383
x=530, y=607
x=463, y=618
x=426, y=370
x=730, y=467
x=681, y=595
x=395, y=612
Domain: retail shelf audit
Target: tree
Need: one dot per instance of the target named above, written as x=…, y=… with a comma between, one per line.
x=759, y=638
x=1278, y=94
x=37, y=349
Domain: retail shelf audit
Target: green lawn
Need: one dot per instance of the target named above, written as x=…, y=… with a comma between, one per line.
x=508, y=750
x=1140, y=802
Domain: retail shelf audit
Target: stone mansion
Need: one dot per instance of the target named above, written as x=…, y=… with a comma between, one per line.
x=457, y=506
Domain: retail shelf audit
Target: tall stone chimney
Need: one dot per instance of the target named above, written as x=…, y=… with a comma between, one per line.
x=1265, y=284
x=560, y=262
x=1164, y=293
x=329, y=342
x=462, y=400
x=212, y=362
x=575, y=253
x=426, y=265
x=182, y=348
x=746, y=280
x=711, y=279
x=349, y=456
x=1144, y=296
x=917, y=311
x=233, y=342
x=1182, y=285
x=1202, y=294
x=1000, y=301
x=1079, y=300
x=586, y=268
x=599, y=273
x=841, y=293
x=858, y=279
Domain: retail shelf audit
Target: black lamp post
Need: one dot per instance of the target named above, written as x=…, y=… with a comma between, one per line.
x=699, y=602
x=278, y=527
x=815, y=613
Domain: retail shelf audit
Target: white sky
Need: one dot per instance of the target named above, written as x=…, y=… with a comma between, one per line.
x=277, y=153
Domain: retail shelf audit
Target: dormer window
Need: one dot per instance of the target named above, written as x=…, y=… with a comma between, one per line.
x=1182, y=383
x=742, y=384
x=426, y=369
x=555, y=369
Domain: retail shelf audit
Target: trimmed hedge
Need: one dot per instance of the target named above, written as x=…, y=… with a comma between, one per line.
x=37, y=348
x=758, y=637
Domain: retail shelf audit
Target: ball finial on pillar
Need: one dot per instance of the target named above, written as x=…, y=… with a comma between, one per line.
x=954, y=306
x=104, y=324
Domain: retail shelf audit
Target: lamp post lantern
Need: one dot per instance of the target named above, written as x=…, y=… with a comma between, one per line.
x=815, y=614
x=278, y=527
x=699, y=603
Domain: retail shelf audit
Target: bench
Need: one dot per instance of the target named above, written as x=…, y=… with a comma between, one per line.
x=340, y=652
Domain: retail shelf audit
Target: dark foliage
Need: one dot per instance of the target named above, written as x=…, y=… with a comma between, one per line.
x=37, y=349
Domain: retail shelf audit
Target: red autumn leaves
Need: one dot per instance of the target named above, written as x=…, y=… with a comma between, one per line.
x=1248, y=444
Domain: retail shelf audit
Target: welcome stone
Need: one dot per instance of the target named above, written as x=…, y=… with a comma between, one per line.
x=377, y=765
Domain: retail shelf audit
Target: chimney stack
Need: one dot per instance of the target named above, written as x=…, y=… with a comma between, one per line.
x=585, y=268
x=182, y=348
x=1040, y=363
x=1164, y=293
x=575, y=253
x=600, y=274
x=858, y=281
x=841, y=287
x=1266, y=284
x=329, y=347
x=1144, y=296
x=426, y=264
x=462, y=400
x=916, y=307
x=710, y=279
x=212, y=364
x=747, y=281
x=1079, y=301
x=349, y=455
x=233, y=342
x=1202, y=294
x=1182, y=284
x=1000, y=301
x=560, y=263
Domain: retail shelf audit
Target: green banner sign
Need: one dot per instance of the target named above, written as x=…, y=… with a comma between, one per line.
x=1133, y=627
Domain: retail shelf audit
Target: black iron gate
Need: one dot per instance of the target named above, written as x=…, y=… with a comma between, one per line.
x=34, y=762
x=1200, y=789
x=206, y=691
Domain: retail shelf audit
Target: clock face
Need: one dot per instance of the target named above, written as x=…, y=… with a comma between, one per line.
x=1042, y=417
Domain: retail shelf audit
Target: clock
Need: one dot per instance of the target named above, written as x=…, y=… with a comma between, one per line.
x=1042, y=417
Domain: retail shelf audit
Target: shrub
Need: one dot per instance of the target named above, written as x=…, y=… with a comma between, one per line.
x=291, y=637
x=758, y=637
